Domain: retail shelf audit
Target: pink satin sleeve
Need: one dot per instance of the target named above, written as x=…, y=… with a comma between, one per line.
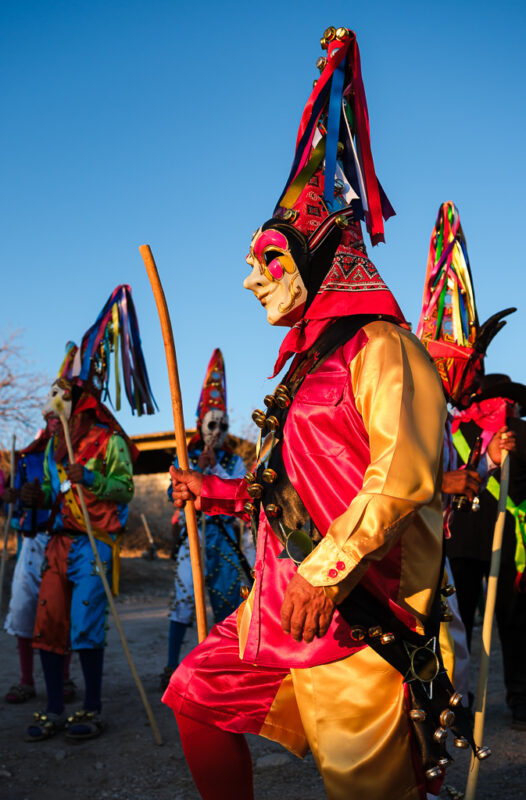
x=221, y=496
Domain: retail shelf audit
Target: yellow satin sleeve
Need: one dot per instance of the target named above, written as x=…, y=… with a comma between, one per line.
x=398, y=394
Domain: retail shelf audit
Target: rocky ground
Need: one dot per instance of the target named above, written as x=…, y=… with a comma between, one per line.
x=125, y=763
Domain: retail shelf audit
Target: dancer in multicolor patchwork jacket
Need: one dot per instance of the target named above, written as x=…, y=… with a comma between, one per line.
x=336, y=647
x=72, y=602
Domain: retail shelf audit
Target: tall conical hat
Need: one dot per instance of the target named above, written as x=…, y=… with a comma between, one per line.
x=116, y=328
x=449, y=325
x=213, y=393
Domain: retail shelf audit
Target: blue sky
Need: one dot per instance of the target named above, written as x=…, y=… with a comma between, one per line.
x=173, y=123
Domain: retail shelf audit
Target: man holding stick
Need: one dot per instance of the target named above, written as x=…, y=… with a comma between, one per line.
x=345, y=500
x=72, y=600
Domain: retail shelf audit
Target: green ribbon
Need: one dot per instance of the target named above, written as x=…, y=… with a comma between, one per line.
x=493, y=487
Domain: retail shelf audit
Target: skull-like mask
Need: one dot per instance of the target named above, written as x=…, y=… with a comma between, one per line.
x=275, y=278
x=214, y=428
x=60, y=391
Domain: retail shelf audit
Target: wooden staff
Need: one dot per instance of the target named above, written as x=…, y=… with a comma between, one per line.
x=487, y=626
x=8, y=519
x=59, y=408
x=180, y=437
x=153, y=546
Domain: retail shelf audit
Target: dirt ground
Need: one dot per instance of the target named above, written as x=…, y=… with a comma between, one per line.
x=125, y=763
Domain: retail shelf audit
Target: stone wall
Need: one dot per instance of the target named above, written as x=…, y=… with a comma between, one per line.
x=151, y=500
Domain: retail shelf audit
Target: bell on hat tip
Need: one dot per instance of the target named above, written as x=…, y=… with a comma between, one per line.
x=483, y=752
x=323, y=43
x=341, y=34
x=417, y=714
x=321, y=63
x=329, y=34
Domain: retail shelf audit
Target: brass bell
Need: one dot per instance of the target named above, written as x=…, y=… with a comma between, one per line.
x=455, y=699
x=283, y=401
x=329, y=34
x=440, y=735
x=273, y=423
x=433, y=772
x=447, y=718
x=269, y=400
x=375, y=632
x=341, y=34
x=323, y=43
x=244, y=591
x=272, y=510
x=259, y=417
x=443, y=762
x=255, y=490
x=341, y=221
x=417, y=714
x=358, y=633
x=290, y=214
x=321, y=63
x=282, y=388
x=483, y=752
x=249, y=477
x=387, y=638
x=269, y=475
x=314, y=84
x=461, y=742
x=447, y=590
x=250, y=508
x=446, y=615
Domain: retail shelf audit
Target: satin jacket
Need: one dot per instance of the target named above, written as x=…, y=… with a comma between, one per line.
x=362, y=445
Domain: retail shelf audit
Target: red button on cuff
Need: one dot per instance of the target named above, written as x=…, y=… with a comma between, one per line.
x=340, y=565
x=333, y=573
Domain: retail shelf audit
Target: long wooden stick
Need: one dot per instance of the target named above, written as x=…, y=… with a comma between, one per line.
x=107, y=589
x=487, y=626
x=8, y=520
x=180, y=437
x=153, y=546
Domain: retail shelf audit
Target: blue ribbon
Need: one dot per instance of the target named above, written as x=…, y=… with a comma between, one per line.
x=333, y=132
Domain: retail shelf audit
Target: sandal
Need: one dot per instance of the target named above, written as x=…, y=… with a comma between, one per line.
x=20, y=693
x=84, y=725
x=70, y=690
x=45, y=726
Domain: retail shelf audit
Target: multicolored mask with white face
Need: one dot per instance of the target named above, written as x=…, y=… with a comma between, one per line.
x=214, y=428
x=275, y=279
x=60, y=389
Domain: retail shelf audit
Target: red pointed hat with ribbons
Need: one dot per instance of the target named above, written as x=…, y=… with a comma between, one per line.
x=333, y=185
x=213, y=393
x=449, y=325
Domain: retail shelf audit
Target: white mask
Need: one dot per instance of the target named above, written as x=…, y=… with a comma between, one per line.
x=63, y=395
x=214, y=428
x=275, y=278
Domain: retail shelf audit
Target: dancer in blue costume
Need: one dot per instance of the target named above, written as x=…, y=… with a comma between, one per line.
x=226, y=569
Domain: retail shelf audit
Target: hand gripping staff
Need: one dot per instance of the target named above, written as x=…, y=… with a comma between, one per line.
x=59, y=408
x=493, y=577
x=180, y=436
x=8, y=519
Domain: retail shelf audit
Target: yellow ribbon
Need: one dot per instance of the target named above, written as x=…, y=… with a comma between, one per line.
x=98, y=533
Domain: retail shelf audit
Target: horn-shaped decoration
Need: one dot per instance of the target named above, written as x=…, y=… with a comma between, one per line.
x=489, y=329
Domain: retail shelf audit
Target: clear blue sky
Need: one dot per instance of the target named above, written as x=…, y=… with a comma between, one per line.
x=173, y=123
